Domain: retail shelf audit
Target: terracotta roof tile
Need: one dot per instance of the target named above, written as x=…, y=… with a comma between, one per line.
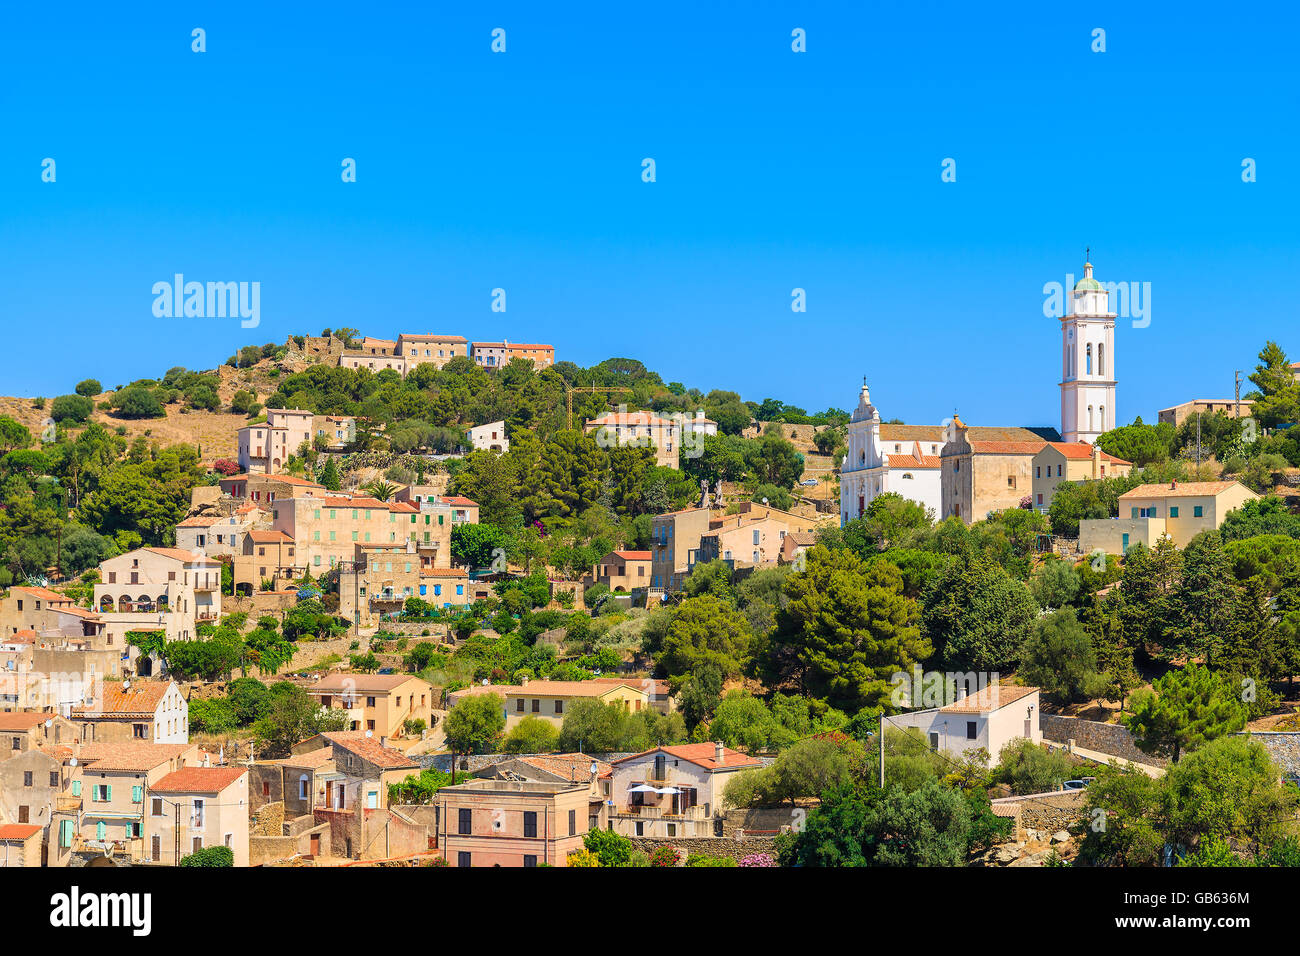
x=140, y=701
x=18, y=831
x=702, y=755
x=1181, y=489
x=198, y=780
x=992, y=697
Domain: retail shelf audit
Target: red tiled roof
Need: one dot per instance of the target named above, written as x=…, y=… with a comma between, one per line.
x=458, y=500
x=130, y=756
x=338, y=682
x=1180, y=489
x=1007, y=447
x=179, y=554
x=370, y=749
x=200, y=521
x=1081, y=451
x=22, y=721
x=44, y=594
x=914, y=461
x=141, y=700
x=18, y=831
x=702, y=755
x=198, y=780
x=285, y=479
x=633, y=555
x=444, y=573
x=992, y=697
x=269, y=537
x=311, y=760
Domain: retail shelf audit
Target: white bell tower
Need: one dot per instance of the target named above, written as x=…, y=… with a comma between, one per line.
x=1087, y=361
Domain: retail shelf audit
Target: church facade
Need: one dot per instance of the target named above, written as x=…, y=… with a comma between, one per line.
x=903, y=459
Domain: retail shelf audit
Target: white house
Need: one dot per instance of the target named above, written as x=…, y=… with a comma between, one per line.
x=903, y=459
x=989, y=718
x=489, y=437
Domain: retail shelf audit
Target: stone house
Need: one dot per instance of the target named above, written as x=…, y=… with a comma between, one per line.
x=379, y=704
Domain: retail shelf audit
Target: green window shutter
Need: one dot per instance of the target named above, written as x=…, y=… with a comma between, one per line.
x=101, y=830
x=439, y=519
x=1173, y=511
x=108, y=792
x=76, y=788
x=137, y=794
x=65, y=833
x=1198, y=511
x=1135, y=512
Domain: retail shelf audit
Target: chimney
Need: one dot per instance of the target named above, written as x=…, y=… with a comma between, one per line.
x=718, y=751
x=1173, y=485
x=383, y=741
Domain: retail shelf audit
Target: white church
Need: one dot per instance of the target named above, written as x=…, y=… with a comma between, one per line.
x=905, y=459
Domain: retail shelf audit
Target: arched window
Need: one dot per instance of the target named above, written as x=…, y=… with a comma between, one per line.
x=1089, y=418
x=1088, y=366
x=1101, y=415
x=1101, y=358
x=302, y=787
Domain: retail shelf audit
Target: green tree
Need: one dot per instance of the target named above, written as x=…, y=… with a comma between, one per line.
x=1187, y=709
x=532, y=735
x=845, y=630
x=291, y=715
x=217, y=856
x=704, y=631
x=89, y=387
x=475, y=724
x=329, y=477
x=1277, y=399
x=977, y=615
x=1059, y=657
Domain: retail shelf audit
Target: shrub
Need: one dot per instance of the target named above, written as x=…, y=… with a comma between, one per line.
x=73, y=408
x=758, y=859
x=210, y=856
x=89, y=387
x=584, y=858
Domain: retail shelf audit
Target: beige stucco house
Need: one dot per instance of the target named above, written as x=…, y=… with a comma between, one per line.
x=1180, y=509
x=379, y=703
x=1071, y=461
x=672, y=792
x=158, y=589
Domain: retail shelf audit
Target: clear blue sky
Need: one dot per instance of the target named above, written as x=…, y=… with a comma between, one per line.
x=775, y=170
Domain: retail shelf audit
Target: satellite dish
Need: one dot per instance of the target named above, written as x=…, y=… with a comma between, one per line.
x=49, y=722
x=72, y=761
x=370, y=733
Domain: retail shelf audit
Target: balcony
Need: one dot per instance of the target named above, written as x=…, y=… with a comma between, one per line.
x=67, y=803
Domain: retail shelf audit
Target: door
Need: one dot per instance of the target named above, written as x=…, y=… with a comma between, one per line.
x=315, y=844
x=1124, y=545
x=155, y=849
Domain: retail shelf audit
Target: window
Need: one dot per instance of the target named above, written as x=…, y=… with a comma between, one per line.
x=970, y=730
x=519, y=706
x=573, y=822
x=27, y=778
x=302, y=787
x=530, y=823
x=1173, y=511
x=137, y=794
x=1038, y=470
x=559, y=706
x=463, y=819
x=1198, y=511
x=530, y=860
x=462, y=858
x=537, y=705
x=54, y=778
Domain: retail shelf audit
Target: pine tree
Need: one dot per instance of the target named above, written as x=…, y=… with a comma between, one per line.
x=329, y=478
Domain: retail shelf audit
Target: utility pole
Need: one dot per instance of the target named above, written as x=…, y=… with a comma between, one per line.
x=1198, y=445
x=1237, y=394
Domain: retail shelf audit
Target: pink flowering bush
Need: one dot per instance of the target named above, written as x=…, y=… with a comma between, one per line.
x=758, y=859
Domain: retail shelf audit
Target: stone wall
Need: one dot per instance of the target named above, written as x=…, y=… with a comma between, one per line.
x=269, y=849
x=475, y=762
x=1284, y=748
x=270, y=820
x=720, y=846
x=1111, y=739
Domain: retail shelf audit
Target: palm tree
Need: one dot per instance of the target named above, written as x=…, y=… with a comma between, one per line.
x=382, y=490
